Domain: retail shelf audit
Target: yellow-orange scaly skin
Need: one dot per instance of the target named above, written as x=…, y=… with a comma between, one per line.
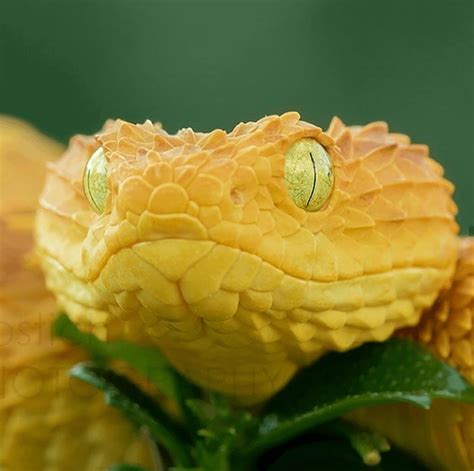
x=48, y=422
x=202, y=251
x=443, y=437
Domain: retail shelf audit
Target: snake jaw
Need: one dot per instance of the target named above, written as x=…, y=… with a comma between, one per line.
x=203, y=245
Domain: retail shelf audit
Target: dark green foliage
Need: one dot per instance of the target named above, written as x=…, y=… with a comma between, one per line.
x=395, y=371
x=296, y=428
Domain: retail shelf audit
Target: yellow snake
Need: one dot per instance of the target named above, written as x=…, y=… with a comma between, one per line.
x=221, y=250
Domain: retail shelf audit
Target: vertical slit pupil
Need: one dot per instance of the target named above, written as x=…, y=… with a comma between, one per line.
x=314, y=179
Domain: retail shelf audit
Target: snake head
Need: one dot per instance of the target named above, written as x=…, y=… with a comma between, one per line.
x=265, y=246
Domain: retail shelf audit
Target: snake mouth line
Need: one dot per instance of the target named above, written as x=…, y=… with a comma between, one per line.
x=83, y=292
x=45, y=252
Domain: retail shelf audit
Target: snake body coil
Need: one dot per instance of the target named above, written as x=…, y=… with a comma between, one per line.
x=48, y=421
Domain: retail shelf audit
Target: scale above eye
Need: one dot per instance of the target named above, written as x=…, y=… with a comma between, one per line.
x=309, y=176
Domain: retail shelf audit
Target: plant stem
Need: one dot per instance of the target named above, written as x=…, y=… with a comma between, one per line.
x=367, y=444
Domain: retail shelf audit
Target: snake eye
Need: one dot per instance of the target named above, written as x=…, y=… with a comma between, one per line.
x=309, y=175
x=94, y=181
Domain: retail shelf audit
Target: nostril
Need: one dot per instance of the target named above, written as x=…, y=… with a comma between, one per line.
x=236, y=196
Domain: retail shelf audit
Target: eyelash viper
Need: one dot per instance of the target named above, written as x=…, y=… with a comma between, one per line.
x=202, y=251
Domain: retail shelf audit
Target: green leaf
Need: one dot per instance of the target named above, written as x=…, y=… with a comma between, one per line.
x=148, y=361
x=223, y=430
x=367, y=444
x=138, y=407
x=395, y=371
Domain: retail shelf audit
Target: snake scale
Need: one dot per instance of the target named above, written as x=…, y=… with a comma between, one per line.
x=246, y=255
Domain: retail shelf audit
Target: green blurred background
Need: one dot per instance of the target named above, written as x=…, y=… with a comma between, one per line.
x=67, y=65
